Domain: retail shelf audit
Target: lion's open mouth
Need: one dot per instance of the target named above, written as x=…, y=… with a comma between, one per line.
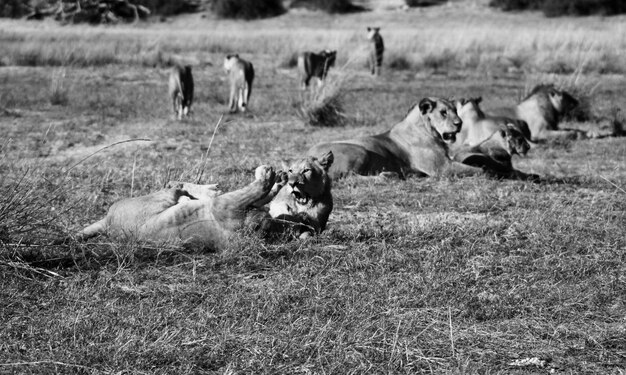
x=301, y=197
x=449, y=137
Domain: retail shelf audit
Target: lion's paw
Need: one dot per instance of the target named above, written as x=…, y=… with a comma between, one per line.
x=281, y=178
x=266, y=174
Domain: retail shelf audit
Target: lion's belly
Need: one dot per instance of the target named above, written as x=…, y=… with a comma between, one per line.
x=158, y=219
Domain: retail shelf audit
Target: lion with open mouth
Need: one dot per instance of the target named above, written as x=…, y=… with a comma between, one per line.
x=418, y=144
x=306, y=199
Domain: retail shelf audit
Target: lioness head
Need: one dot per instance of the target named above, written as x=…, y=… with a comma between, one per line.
x=561, y=101
x=441, y=116
x=469, y=109
x=308, y=178
x=372, y=31
x=516, y=143
x=330, y=57
x=230, y=60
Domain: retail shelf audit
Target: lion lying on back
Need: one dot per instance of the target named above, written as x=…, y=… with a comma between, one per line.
x=199, y=216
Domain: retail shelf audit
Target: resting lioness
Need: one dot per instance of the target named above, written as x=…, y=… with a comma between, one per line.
x=306, y=198
x=418, y=144
x=488, y=141
x=542, y=109
x=478, y=126
x=495, y=153
x=206, y=220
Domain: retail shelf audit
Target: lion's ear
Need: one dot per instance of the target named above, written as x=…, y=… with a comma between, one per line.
x=327, y=160
x=426, y=105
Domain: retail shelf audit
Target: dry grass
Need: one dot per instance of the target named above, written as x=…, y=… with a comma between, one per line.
x=59, y=88
x=439, y=276
x=323, y=105
x=528, y=43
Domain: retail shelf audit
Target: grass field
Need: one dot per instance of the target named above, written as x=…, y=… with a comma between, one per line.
x=432, y=275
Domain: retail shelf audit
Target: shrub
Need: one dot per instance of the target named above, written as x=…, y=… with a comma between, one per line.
x=13, y=8
x=59, y=90
x=423, y=3
x=248, y=9
x=325, y=106
x=439, y=61
x=555, y=8
x=509, y=5
x=329, y=6
x=169, y=7
x=289, y=61
x=399, y=62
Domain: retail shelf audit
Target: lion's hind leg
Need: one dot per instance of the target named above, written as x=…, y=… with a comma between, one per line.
x=194, y=191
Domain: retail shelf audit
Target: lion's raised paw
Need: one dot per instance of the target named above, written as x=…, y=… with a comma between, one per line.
x=266, y=174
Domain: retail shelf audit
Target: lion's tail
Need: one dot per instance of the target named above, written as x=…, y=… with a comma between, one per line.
x=99, y=227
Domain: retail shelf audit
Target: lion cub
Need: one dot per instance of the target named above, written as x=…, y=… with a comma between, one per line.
x=306, y=198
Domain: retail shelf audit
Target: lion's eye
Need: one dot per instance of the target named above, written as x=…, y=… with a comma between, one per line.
x=306, y=170
x=444, y=114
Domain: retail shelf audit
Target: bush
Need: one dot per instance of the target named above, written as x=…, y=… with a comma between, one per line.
x=59, y=89
x=439, y=61
x=248, y=9
x=555, y=8
x=325, y=106
x=509, y=5
x=13, y=8
x=289, y=61
x=423, y=3
x=399, y=62
x=328, y=6
x=169, y=7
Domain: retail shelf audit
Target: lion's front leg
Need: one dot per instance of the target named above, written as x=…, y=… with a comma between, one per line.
x=231, y=207
x=279, y=183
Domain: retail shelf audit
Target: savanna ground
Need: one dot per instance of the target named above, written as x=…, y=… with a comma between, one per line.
x=436, y=275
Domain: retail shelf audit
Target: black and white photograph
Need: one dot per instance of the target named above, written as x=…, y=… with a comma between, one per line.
x=313, y=187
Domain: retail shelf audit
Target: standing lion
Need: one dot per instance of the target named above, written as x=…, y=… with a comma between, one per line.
x=240, y=76
x=376, y=50
x=181, y=90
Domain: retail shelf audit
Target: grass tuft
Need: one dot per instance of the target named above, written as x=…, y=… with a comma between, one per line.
x=289, y=61
x=439, y=61
x=59, y=88
x=399, y=62
x=325, y=105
